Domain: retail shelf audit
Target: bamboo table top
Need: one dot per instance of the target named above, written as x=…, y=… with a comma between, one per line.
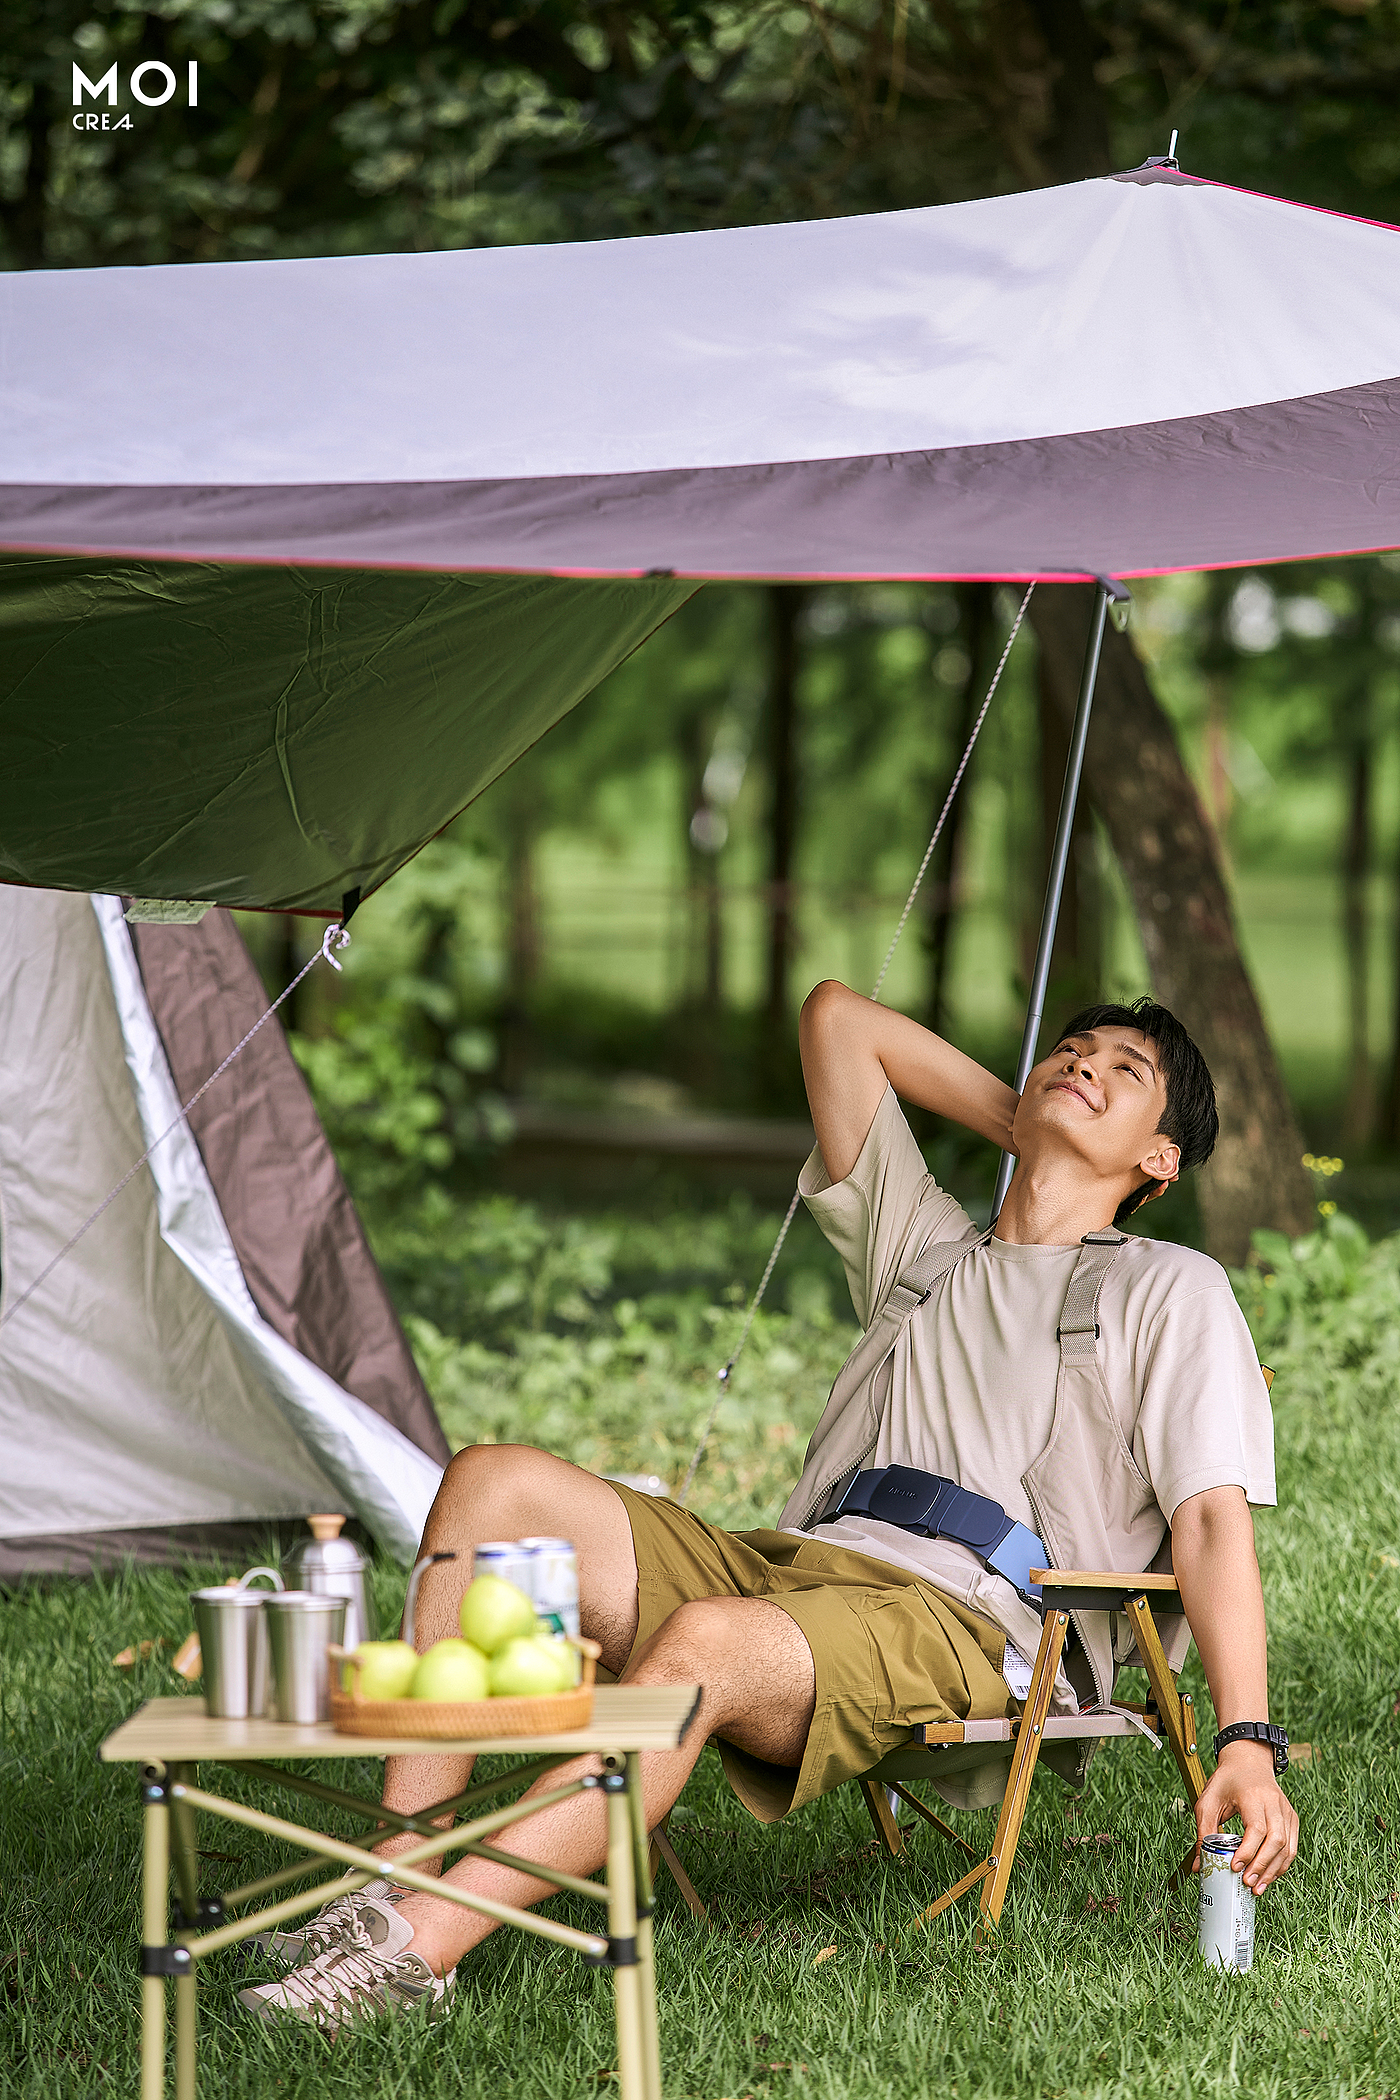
x=179, y=1731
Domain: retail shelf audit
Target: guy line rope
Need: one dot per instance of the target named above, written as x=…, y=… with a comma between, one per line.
x=723, y=1374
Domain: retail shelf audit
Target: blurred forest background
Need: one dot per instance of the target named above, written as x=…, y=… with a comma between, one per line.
x=578, y=992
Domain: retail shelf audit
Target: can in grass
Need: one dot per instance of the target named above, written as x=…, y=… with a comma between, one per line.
x=1226, y=1908
x=553, y=1583
x=507, y=1558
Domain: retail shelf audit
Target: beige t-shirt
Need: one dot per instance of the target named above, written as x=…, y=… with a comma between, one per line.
x=972, y=1392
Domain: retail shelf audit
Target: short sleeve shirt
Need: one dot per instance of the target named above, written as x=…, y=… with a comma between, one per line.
x=972, y=1392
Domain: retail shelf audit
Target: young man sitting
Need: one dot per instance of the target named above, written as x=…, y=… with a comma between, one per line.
x=818, y=1645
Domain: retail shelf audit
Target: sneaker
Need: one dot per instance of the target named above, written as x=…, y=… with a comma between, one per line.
x=369, y=1972
x=318, y=1934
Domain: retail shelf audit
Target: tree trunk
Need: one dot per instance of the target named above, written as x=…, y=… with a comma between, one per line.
x=1359, y=1114
x=1170, y=860
x=975, y=609
x=26, y=218
x=785, y=604
x=284, y=962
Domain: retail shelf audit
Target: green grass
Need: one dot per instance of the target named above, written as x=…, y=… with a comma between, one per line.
x=1094, y=1988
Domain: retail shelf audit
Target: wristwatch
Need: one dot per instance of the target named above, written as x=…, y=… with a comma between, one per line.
x=1256, y=1732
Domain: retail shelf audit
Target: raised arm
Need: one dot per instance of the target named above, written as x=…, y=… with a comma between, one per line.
x=1218, y=1576
x=852, y=1049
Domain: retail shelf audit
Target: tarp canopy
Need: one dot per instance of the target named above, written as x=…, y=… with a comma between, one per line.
x=305, y=553
x=219, y=1349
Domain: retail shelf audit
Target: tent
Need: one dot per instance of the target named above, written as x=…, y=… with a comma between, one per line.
x=304, y=554
x=219, y=1349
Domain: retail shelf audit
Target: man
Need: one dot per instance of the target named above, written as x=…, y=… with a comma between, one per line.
x=819, y=1644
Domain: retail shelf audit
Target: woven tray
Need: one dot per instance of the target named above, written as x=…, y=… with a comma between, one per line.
x=555, y=1713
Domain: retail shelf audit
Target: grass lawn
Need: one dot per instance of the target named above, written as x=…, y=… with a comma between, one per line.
x=1094, y=1987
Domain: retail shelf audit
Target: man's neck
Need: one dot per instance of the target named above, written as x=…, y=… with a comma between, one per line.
x=1053, y=1204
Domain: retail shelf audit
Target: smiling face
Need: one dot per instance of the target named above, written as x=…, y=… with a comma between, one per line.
x=1100, y=1098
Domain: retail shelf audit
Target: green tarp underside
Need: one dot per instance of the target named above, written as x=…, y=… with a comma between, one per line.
x=275, y=736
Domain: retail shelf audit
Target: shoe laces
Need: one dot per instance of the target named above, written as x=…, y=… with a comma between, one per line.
x=327, y=1927
x=359, y=1968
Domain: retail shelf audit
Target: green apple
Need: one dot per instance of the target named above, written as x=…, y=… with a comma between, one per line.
x=531, y=1668
x=385, y=1672
x=451, y=1671
x=493, y=1612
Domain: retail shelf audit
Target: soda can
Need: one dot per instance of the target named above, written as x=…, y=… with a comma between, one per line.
x=1226, y=1908
x=507, y=1558
x=554, y=1583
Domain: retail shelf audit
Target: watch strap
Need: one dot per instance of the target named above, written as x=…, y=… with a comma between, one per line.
x=1256, y=1732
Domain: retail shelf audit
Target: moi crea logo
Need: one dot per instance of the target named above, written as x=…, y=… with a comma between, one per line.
x=153, y=84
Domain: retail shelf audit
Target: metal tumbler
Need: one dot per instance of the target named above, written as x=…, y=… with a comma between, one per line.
x=233, y=1646
x=301, y=1626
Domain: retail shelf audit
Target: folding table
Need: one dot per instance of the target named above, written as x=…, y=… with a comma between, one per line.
x=170, y=1738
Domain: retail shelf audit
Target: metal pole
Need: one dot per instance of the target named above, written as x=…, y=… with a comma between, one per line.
x=1059, y=860
x=155, y=1913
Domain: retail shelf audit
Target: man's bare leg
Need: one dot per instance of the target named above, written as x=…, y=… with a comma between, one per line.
x=496, y=1491
x=759, y=1688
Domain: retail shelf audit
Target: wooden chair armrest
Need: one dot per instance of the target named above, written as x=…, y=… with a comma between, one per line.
x=1082, y=1589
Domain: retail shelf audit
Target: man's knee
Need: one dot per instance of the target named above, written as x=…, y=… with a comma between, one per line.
x=700, y=1633
x=514, y=1483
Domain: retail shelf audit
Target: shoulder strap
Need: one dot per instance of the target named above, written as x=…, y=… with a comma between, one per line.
x=913, y=1288
x=1078, y=1331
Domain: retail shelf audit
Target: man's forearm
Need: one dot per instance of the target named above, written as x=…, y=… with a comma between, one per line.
x=853, y=1047
x=1218, y=1576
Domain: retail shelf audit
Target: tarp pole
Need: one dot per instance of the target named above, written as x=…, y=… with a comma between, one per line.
x=1059, y=859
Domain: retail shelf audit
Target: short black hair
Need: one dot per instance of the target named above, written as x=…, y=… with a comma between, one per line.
x=1190, y=1119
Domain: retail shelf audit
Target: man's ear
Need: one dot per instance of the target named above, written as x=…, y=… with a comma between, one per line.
x=1164, y=1163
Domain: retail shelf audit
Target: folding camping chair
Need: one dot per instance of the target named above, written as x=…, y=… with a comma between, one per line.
x=1167, y=1712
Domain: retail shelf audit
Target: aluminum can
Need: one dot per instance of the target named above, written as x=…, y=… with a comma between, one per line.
x=554, y=1583
x=507, y=1558
x=1226, y=1908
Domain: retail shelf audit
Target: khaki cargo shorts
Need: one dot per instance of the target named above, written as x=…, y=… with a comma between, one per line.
x=890, y=1650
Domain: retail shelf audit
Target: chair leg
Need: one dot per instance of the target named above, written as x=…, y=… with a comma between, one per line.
x=886, y=1829
x=663, y=1849
x=1023, y=1763
x=929, y=1817
x=1178, y=1714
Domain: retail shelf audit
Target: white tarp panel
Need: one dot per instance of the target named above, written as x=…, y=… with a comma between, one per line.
x=1087, y=307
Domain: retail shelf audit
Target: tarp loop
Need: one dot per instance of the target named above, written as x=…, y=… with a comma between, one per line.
x=723, y=1374
x=334, y=936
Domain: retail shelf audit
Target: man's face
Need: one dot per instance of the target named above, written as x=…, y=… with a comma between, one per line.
x=1100, y=1097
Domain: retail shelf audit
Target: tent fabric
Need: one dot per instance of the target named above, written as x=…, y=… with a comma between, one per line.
x=293, y=1225
x=275, y=736
x=140, y=1389
x=303, y=554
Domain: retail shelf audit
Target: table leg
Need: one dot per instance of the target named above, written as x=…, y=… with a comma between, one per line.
x=185, y=1859
x=646, y=1967
x=186, y=2037
x=632, y=2078
x=155, y=1913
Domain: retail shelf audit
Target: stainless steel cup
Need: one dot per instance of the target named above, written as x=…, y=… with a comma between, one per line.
x=300, y=1628
x=233, y=1646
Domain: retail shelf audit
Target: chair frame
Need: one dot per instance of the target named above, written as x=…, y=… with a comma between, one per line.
x=1169, y=1713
